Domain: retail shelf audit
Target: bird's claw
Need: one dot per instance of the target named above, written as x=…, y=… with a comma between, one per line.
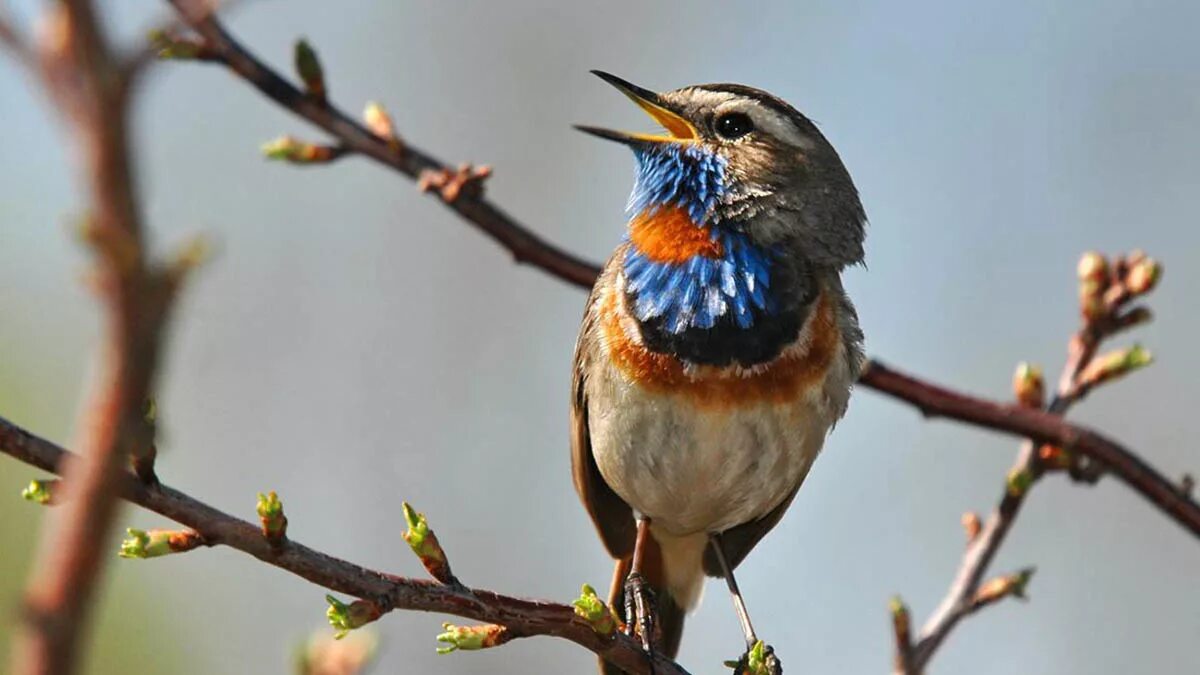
x=639, y=612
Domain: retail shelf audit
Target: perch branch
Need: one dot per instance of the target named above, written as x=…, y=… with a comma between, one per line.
x=522, y=618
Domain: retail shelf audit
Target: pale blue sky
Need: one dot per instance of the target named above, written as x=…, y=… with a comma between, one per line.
x=354, y=344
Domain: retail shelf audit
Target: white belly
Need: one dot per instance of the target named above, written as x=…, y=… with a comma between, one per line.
x=700, y=469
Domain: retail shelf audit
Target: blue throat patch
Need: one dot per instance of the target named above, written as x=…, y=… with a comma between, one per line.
x=699, y=291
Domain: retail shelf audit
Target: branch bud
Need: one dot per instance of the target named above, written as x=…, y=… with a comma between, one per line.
x=323, y=655
x=1029, y=386
x=901, y=622
x=169, y=46
x=424, y=543
x=156, y=543
x=1010, y=585
x=1018, y=482
x=1093, y=267
x=759, y=660
x=289, y=149
x=380, y=124
x=1115, y=364
x=472, y=637
x=145, y=451
x=592, y=609
x=345, y=618
x=971, y=525
x=191, y=256
x=41, y=492
x=1144, y=274
x=308, y=67
x=274, y=522
x=1054, y=457
x=451, y=185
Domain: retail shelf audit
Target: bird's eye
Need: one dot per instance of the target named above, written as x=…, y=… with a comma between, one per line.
x=734, y=125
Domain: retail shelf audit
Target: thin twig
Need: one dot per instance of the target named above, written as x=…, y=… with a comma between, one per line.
x=962, y=599
x=523, y=618
x=521, y=242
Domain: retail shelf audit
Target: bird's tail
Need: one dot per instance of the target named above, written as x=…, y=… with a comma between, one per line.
x=673, y=567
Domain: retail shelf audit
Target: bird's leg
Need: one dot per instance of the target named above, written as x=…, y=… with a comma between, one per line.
x=739, y=606
x=639, y=600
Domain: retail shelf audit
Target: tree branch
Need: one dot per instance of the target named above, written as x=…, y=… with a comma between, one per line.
x=1104, y=293
x=78, y=70
x=522, y=618
x=525, y=246
x=936, y=401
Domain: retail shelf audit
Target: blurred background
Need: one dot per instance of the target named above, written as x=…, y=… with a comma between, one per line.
x=354, y=344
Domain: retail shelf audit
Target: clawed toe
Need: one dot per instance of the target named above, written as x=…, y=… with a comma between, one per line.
x=639, y=610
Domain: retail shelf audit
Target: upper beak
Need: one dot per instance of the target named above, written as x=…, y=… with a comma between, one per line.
x=678, y=128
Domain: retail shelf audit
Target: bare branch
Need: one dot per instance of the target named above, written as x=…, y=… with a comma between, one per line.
x=525, y=246
x=521, y=618
x=1104, y=291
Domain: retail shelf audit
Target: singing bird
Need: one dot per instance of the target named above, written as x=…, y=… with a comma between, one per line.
x=718, y=347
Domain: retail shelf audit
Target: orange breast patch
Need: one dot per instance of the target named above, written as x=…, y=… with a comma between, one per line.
x=780, y=381
x=668, y=235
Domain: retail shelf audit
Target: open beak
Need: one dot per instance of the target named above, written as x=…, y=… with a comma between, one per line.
x=678, y=129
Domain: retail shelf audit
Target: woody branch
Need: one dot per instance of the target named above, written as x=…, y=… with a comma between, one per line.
x=1106, y=291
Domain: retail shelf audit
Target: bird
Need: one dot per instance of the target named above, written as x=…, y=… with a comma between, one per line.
x=718, y=346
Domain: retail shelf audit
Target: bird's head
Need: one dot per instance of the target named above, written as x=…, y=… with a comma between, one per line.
x=736, y=157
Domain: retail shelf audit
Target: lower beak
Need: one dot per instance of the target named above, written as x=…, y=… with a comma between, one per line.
x=678, y=129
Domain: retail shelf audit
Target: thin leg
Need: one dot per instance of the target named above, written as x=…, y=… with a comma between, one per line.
x=739, y=605
x=639, y=603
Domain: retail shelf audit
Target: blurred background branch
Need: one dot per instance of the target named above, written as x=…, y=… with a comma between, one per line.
x=87, y=84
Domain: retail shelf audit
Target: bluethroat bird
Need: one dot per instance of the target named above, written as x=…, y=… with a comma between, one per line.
x=718, y=346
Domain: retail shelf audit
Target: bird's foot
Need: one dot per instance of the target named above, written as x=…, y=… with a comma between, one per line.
x=639, y=611
x=759, y=659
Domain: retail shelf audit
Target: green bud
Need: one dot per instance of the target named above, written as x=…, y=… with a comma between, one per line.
x=424, y=543
x=592, y=609
x=756, y=660
x=346, y=617
x=39, y=491
x=288, y=149
x=270, y=514
x=1019, y=481
x=157, y=543
x=1029, y=386
x=308, y=67
x=471, y=637
x=140, y=544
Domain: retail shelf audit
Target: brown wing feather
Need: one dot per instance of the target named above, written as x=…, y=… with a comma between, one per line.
x=739, y=540
x=612, y=516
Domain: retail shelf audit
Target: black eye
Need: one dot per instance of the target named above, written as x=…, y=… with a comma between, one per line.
x=734, y=125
